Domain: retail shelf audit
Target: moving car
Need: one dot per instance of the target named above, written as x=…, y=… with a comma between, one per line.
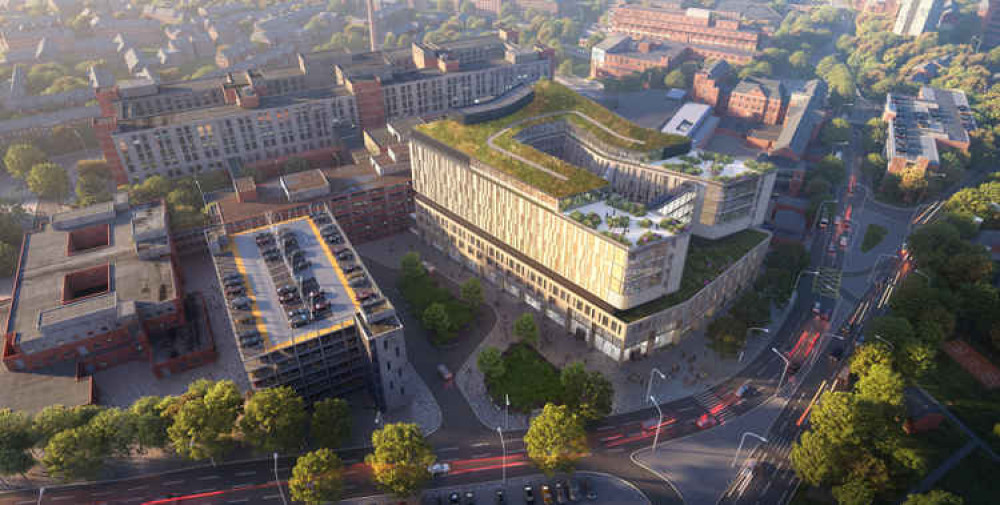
x=843, y=241
x=706, y=421
x=454, y=498
x=500, y=500
x=529, y=494
x=560, y=492
x=745, y=390
x=574, y=490
x=439, y=469
x=546, y=494
x=445, y=374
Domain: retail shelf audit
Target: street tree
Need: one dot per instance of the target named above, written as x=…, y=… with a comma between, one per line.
x=555, y=439
x=331, y=422
x=815, y=458
x=17, y=436
x=471, y=292
x=525, y=329
x=274, y=420
x=115, y=429
x=150, y=423
x=400, y=458
x=490, y=363
x=76, y=453
x=935, y=497
x=437, y=320
x=317, y=478
x=21, y=157
x=205, y=418
x=587, y=394
x=56, y=418
x=854, y=492
x=49, y=181
x=881, y=384
x=836, y=131
x=411, y=266
x=727, y=335
x=675, y=79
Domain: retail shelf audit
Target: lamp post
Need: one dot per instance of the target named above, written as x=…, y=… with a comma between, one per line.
x=41, y=492
x=277, y=480
x=503, y=445
x=649, y=387
x=886, y=342
x=656, y=438
x=740, y=447
x=745, y=338
x=506, y=407
x=783, y=370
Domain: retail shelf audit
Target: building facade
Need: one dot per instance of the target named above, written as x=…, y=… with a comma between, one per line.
x=692, y=26
x=920, y=126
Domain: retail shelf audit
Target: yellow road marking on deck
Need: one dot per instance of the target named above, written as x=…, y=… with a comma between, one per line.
x=255, y=310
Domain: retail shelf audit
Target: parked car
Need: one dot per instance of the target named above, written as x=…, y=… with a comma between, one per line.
x=546, y=495
x=264, y=238
x=309, y=285
x=297, y=312
x=322, y=219
x=816, y=307
x=298, y=321
x=843, y=241
x=233, y=281
x=289, y=298
x=299, y=266
x=837, y=354
x=251, y=342
x=245, y=319
x=287, y=288
x=232, y=275
x=529, y=494
x=236, y=291
x=454, y=498
x=444, y=373
x=240, y=303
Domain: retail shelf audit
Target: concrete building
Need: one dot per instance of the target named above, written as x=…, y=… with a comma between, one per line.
x=594, y=232
x=920, y=16
x=307, y=110
x=98, y=286
x=694, y=121
x=350, y=338
x=692, y=26
x=920, y=126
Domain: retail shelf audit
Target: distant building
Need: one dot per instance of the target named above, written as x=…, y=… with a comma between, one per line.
x=622, y=56
x=920, y=16
x=918, y=126
x=690, y=27
x=989, y=12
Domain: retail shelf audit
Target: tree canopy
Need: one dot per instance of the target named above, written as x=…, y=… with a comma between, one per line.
x=48, y=180
x=317, y=478
x=555, y=439
x=525, y=329
x=205, y=418
x=331, y=422
x=400, y=458
x=21, y=157
x=274, y=419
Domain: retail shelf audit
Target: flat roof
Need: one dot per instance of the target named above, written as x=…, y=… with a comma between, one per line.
x=46, y=262
x=687, y=119
x=919, y=121
x=270, y=316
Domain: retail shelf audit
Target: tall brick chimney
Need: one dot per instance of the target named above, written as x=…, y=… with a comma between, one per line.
x=372, y=32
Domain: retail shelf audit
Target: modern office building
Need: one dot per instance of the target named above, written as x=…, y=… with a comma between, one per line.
x=98, y=286
x=601, y=225
x=313, y=110
x=920, y=126
x=348, y=338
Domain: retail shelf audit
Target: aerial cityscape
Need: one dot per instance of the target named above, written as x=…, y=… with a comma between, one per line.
x=500, y=252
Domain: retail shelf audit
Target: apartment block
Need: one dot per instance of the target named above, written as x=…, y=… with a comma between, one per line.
x=692, y=26
x=595, y=232
x=324, y=330
x=310, y=110
x=920, y=126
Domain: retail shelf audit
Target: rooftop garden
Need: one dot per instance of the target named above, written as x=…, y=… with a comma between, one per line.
x=706, y=259
x=716, y=166
x=550, y=97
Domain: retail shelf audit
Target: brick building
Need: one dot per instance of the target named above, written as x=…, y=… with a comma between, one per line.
x=920, y=126
x=696, y=27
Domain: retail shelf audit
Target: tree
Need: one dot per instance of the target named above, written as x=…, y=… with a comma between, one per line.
x=799, y=60
x=935, y=497
x=48, y=180
x=675, y=79
x=411, y=266
x=437, y=320
x=331, y=422
x=490, y=363
x=205, y=418
x=526, y=330
x=274, y=420
x=555, y=439
x=150, y=422
x=21, y=157
x=751, y=308
x=17, y=436
x=589, y=395
x=812, y=457
x=76, y=453
x=317, y=478
x=56, y=418
x=8, y=259
x=565, y=67
x=869, y=355
x=727, y=335
x=854, y=492
x=471, y=292
x=400, y=458
x=836, y=131
x=93, y=182
x=881, y=385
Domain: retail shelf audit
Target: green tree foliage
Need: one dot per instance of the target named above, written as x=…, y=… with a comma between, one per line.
x=150, y=422
x=935, y=497
x=17, y=436
x=881, y=384
x=726, y=335
x=587, y=394
x=8, y=259
x=868, y=355
x=835, y=131
x=331, y=422
x=204, y=419
x=411, y=266
x=471, y=292
x=48, y=180
x=76, y=453
x=555, y=439
x=436, y=319
x=56, y=418
x=675, y=79
x=978, y=202
x=21, y=157
x=526, y=330
x=317, y=478
x=752, y=308
x=400, y=458
x=93, y=182
x=490, y=363
x=274, y=420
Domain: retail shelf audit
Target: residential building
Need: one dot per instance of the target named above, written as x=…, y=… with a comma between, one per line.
x=98, y=286
x=309, y=110
x=619, y=221
x=920, y=16
x=757, y=99
x=624, y=56
x=348, y=338
x=692, y=26
x=709, y=83
x=920, y=126
x=989, y=11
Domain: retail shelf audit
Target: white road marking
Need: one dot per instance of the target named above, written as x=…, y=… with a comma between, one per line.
x=481, y=455
x=446, y=449
x=480, y=444
x=246, y=473
x=60, y=498
x=241, y=500
x=272, y=497
x=168, y=483
x=209, y=477
x=138, y=488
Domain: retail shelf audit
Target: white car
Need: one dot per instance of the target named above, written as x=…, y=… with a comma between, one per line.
x=439, y=469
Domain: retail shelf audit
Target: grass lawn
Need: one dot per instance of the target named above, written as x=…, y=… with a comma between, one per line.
x=974, y=478
x=955, y=388
x=423, y=292
x=530, y=381
x=873, y=237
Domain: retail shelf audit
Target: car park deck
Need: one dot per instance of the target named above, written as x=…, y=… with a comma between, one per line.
x=264, y=278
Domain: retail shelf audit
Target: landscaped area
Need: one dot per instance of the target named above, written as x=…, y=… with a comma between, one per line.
x=974, y=478
x=873, y=237
x=528, y=380
x=423, y=292
x=549, y=97
x=706, y=259
x=960, y=392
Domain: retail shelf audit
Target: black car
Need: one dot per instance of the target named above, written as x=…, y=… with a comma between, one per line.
x=287, y=288
x=232, y=275
x=334, y=239
x=296, y=254
x=529, y=495
x=299, y=266
x=298, y=321
x=321, y=219
x=290, y=246
x=500, y=500
x=264, y=238
x=236, y=291
x=232, y=281
x=297, y=312
x=309, y=285
x=289, y=298
x=252, y=341
x=837, y=354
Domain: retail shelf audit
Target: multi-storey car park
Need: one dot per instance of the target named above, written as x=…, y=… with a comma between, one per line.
x=619, y=233
x=312, y=110
x=305, y=311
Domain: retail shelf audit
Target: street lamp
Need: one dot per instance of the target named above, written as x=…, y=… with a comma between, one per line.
x=783, y=371
x=278, y=480
x=503, y=445
x=649, y=387
x=763, y=330
x=656, y=438
x=886, y=342
x=740, y=447
x=41, y=492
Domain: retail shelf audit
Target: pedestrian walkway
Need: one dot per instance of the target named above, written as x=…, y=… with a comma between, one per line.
x=925, y=485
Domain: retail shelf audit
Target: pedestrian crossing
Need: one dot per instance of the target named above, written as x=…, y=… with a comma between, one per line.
x=715, y=405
